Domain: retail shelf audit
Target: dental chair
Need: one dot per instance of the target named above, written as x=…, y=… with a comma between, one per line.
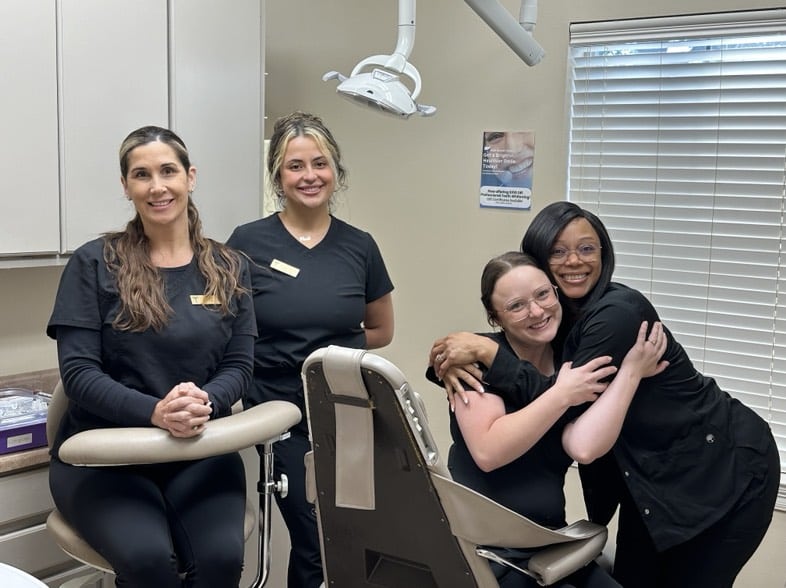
x=262, y=425
x=389, y=513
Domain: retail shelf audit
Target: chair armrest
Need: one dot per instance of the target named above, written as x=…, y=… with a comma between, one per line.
x=141, y=445
x=557, y=561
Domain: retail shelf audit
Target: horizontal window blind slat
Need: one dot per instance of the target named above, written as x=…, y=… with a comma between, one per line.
x=635, y=85
x=702, y=68
x=757, y=22
x=748, y=139
x=683, y=123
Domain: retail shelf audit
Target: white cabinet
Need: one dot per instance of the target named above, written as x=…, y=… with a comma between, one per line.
x=113, y=59
x=79, y=75
x=217, y=105
x=29, y=208
x=25, y=542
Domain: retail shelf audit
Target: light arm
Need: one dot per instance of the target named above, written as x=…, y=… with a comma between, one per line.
x=511, y=32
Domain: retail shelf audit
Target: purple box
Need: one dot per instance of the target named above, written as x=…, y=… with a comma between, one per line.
x=23, y=436
x=22, y=419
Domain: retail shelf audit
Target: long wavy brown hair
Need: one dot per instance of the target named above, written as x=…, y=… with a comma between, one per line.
x=140, y=285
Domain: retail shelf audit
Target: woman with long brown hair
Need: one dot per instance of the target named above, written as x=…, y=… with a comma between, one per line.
x=155, y=326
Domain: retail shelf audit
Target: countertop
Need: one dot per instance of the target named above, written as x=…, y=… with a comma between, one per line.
x=39, y=381
x=11, y=463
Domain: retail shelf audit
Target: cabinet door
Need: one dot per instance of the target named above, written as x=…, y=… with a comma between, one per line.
x=217, y=96
x=114, y=80
x=29, y=198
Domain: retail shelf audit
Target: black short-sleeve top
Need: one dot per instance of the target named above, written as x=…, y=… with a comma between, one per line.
x=306, y=298
x=533, y=484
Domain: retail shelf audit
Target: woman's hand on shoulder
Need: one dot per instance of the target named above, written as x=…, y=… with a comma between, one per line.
x=644, y=358
x=583, y=384
x=455, y=379
x=183, y=411
x=461, y=349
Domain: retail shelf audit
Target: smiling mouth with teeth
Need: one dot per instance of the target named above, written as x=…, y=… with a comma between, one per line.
x=574, y=277
x=521, y=166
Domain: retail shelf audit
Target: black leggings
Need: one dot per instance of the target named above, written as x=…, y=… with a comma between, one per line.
x=153, y=523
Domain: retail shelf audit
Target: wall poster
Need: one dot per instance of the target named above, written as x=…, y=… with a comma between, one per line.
x=507, y=161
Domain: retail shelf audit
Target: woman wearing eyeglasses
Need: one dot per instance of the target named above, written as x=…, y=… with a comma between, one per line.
x=694, y=471
x=514, y=453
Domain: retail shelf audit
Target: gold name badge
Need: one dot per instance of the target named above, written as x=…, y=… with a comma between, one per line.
x=203, y=300
x=284, y=268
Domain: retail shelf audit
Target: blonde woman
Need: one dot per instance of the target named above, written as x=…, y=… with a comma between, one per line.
x=317, y=281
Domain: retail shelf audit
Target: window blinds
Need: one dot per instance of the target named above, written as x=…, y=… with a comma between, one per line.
x=678, y=143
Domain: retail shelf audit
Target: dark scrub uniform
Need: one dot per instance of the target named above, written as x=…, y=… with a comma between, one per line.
x=304, y=299
x=531, y=485
x=695, y=471
x=114, y=379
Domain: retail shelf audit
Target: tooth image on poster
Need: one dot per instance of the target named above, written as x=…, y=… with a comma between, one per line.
x=507, y=161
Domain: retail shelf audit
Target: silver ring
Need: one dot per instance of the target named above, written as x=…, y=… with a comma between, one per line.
x=440, y=357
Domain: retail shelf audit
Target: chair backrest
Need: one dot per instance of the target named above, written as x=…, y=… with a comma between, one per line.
x=381, y=521
x=389, y=513
x=55, y=411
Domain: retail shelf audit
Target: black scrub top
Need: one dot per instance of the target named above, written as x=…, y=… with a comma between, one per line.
x=687, y=450
x=531, y=485
x=306, y=299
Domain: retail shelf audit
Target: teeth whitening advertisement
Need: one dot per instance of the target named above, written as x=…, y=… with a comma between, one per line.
x=506, y=167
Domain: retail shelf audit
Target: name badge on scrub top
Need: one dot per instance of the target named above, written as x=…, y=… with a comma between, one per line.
x=284, y=268
x=202, y=299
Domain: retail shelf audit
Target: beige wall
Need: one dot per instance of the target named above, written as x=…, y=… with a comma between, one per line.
x=26, y=297
x=413, y=184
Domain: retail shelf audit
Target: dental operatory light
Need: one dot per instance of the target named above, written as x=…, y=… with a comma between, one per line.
x=377, y=81
x=382, y=88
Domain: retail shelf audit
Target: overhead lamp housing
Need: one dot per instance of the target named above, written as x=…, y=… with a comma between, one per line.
x=378, y=81
x=382, y=90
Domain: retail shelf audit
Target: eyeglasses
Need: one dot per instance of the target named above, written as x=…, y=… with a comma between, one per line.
x=545, y=298
x=585, y=252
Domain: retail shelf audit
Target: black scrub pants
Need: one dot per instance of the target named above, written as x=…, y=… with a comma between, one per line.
x=714, y=557
x=156, y=523
x=305, y=559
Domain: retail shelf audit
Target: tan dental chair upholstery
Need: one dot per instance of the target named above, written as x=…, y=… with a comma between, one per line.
x=261, y=425
x=389, y=513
